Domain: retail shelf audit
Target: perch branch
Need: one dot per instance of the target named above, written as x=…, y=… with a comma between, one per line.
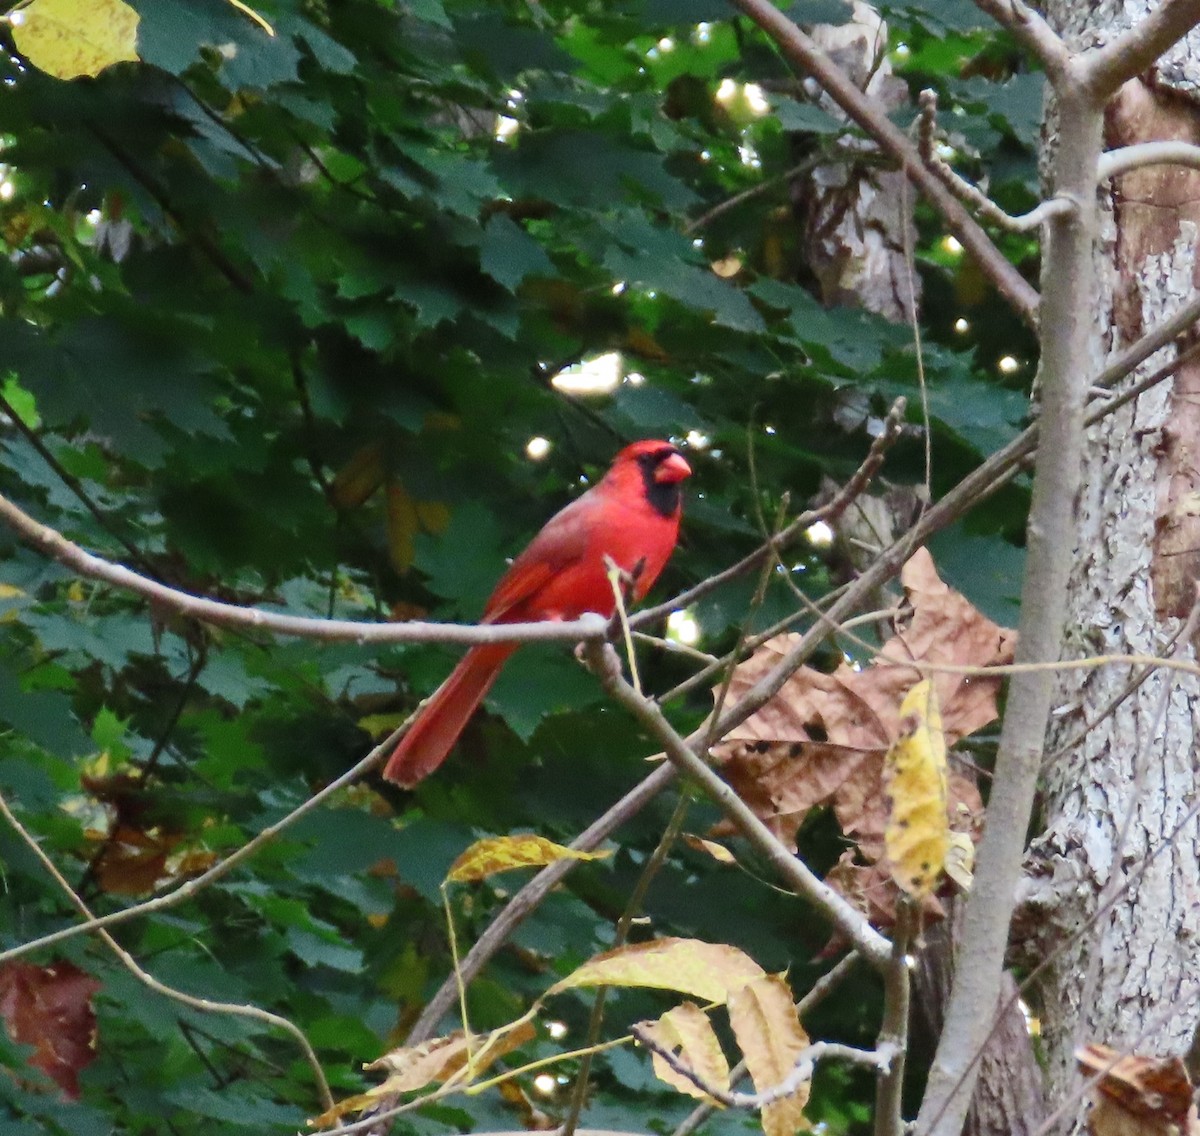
x=52, y=543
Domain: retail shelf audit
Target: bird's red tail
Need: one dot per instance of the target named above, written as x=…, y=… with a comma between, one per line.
x=443, y=717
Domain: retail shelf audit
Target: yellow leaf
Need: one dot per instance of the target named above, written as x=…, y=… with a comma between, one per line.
x=440, y=1059
x=709, y=971
x=69, y=38
x=917, y=836
x=767, y=1027
x=960, y=860
x=717, y=851
x=433, y=515
x=504, y=853
x=9, y=592
x=359, y=477
x=380, y=725
x=401, y=525
x=687, y=1032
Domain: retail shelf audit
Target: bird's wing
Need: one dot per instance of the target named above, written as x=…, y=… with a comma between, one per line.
x=561, y=543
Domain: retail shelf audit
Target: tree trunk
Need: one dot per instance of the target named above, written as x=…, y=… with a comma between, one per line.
x=1119, y=773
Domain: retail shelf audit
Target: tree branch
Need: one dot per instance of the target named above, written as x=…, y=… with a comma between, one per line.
x=1067, y=311
x=1033, y=32
x=800, y=1075
x=970, y=195
x=255, y=1013
x=53, y=544
x=804, y=53
x=605, y=663
x=1113, y=163
x=1102, y=70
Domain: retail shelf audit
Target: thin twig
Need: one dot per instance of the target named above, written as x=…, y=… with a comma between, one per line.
x=1113, y=163
x=818, y=992
x=970, y=195
x=850, y=922
x=255, y=1013
x=803, y=52
x=830, y=511
x=800, y=1075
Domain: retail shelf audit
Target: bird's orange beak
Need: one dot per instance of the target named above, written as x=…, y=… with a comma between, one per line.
x=672, y=469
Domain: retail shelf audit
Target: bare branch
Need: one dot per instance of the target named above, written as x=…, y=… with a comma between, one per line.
x=1066, y=319
x=831, y=510
x=1113, y=163
x=893, y=1031
x=804, y=53
x=53, y=544
x=851, y=923
x=222, y=868
x=970, y=195
x=255, y=1013
x=1103, y=69
x=1033, y=32
x=800, y=1075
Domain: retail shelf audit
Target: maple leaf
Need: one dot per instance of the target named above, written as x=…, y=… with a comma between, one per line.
x=50, y=1008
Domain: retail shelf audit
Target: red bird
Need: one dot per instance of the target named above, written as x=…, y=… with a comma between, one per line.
x=631, y=516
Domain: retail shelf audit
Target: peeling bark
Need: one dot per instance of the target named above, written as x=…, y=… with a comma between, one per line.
x=853, y=214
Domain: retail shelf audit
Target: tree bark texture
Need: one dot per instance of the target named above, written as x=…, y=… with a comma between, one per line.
x=1119, y=772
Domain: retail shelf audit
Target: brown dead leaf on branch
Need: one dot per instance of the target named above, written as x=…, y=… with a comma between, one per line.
x=1137, y=1096
x=823, y=740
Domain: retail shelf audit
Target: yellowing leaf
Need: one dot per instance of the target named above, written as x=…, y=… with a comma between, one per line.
x=69, y=38
x=709, y=971
x=401, y=525
x=504, y=853
x=439, y=1059
x=917, y=836
x=717, y=851
x=687, y=1032
x=359, y=477
x=768, y=1029
x=960, y=860
x=9, y=592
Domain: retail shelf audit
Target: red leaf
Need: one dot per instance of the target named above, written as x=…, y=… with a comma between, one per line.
x=50, y=1008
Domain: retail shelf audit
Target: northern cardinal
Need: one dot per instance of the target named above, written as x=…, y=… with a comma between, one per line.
x=630, y=517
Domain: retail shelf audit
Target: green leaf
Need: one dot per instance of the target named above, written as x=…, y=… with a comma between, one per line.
x=509, y=254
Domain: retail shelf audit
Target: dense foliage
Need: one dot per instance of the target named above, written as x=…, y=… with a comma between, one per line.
x=281, y=318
